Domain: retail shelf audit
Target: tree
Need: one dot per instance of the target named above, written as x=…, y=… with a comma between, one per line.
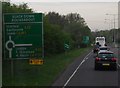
x=58, y=29
x=7, y=7
x=77, y=28
x=57, y=19
x=75, y=18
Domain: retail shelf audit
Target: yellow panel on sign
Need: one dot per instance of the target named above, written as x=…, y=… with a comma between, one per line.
x=36, y=61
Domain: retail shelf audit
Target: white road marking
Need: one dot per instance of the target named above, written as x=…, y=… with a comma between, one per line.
x=76, y=70
x=82, y=61
x=119, y=65
x=87, y=55
x=86, y=58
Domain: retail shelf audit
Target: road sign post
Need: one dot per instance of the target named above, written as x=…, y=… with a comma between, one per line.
x=66, y=47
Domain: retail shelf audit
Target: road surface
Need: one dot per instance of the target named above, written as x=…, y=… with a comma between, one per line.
x=81, y=73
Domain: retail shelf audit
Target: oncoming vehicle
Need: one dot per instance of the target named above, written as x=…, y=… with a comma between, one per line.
x=106, y=60
x=101, y=41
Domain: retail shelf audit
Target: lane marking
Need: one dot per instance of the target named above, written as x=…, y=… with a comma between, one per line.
x=83, y=61
x=76, y=70
x=118, y=65
x=87, y=55
x=86, y=58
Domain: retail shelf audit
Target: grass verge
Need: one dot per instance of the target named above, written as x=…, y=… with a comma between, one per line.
x=24, y=74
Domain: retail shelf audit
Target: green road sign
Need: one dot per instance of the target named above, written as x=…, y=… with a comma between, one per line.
x=23, y=34
x=66, y=46
x=85, y=40
x=23, y=17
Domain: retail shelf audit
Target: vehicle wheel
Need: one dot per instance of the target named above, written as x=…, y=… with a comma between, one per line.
x=115, y=67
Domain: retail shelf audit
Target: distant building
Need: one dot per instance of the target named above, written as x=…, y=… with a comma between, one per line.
x=119, y=14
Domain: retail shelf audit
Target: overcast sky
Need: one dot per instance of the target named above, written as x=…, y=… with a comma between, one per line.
x=64, y=0
x=94, y=13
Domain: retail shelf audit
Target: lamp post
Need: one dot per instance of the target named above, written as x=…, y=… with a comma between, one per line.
x=114, y=16
x=110, y=23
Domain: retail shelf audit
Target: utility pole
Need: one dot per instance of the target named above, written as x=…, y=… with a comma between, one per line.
x=110, y=23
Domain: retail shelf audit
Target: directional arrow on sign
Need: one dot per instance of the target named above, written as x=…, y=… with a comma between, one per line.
x=10, y=45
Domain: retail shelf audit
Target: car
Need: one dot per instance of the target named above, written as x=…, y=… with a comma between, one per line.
x=105, y=60
x=103, y=49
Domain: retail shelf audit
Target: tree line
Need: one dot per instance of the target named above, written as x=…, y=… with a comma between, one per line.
x=111, y=35
x=58, y=29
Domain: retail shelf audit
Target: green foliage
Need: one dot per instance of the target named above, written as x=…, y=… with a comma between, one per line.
x=73, y=24
x=75, y=18
x=58, y=29
x=38, y=75
x=77, y=32
x=12, y=8
x=110, y=35
x=54, y=39
x=56, y=19
x=117, y=37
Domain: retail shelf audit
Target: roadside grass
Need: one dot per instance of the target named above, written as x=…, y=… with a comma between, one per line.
x=25, y=74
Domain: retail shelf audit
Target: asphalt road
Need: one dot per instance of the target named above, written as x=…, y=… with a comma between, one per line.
x=83, y=74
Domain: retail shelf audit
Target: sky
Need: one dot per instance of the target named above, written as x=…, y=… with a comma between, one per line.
x=64, y=0
x=94, y=12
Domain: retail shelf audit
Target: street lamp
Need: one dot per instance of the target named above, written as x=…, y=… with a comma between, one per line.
x=110, y=23
x=114, y=16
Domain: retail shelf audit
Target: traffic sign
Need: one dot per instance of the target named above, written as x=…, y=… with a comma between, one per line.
x=85, y=39
x=66, y=46
x=23, y=34
x=36, y=61
x=23, y=17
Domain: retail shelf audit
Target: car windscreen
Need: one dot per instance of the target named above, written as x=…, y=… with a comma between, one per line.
x=103, y=48
x=106, y=55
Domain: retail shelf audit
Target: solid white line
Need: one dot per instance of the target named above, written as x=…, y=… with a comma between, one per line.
x=86, y=58
x=87, y=55
x=119, y=65
x=76, y=70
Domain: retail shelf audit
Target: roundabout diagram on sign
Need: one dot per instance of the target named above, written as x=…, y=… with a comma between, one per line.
x=11, y=44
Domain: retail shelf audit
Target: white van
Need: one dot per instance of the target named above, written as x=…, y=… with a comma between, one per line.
x=101, y=40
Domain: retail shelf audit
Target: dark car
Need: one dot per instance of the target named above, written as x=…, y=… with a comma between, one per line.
x=106, y=60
